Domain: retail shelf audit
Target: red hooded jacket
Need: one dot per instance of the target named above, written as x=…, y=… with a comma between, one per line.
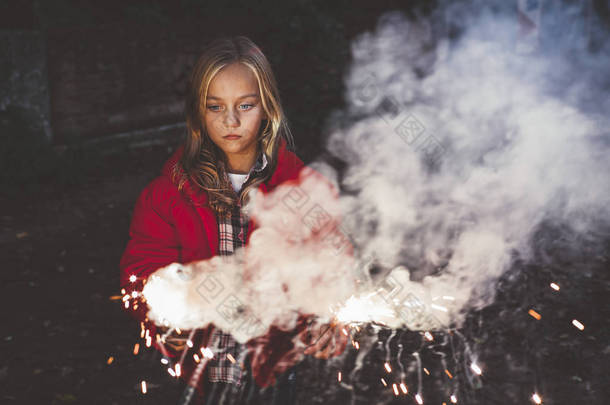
x=171, y=225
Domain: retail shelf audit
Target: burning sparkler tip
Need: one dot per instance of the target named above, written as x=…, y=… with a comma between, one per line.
x=536, y=398
x=578, y=324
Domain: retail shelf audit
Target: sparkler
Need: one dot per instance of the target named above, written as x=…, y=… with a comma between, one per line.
x=368, y=308
x=353, y=313
x=364, y=309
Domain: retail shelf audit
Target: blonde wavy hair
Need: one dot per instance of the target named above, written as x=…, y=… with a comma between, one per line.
x=204, y=163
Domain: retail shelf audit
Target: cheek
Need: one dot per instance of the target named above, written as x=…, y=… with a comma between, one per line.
x=211, y=123
x=255, y=122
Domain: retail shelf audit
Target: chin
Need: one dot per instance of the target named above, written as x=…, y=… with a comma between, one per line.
x=232, y=148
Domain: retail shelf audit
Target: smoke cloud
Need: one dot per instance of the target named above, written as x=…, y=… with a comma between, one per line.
x=454, y=152
x=457, y=151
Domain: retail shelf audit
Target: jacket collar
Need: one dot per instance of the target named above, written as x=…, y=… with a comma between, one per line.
x=288, y=168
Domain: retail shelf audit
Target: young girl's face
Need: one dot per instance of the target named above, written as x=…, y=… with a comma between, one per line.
x=234, y=107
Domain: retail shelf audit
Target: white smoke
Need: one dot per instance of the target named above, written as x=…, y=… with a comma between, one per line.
x=455, y=153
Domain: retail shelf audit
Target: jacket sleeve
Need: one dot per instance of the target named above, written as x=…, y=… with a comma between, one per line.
x=152, y=244
x=152, y=238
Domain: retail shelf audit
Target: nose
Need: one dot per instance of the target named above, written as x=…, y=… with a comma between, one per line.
x=231, y=119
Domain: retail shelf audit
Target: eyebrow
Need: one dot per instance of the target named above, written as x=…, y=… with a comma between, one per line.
x=244, y=96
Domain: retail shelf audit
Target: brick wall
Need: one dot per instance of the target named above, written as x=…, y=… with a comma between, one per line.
x=23, y=79
x=117, y=78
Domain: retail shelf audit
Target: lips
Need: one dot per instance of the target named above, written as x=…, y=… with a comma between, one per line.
x=232, y=136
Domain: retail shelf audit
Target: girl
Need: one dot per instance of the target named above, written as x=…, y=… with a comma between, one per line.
x=237, y=141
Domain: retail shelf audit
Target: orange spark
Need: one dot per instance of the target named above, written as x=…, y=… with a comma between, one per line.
x=534, y=314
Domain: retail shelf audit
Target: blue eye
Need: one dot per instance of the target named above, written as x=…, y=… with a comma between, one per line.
x=242, y=107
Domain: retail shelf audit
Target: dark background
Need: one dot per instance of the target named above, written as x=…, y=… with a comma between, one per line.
x=91, y=106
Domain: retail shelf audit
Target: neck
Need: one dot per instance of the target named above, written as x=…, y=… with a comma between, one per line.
x=241, y=163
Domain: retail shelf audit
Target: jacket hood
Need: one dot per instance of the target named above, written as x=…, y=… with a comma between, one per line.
x=288, y=167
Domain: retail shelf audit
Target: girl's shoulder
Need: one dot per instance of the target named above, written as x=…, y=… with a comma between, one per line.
x=163, y=191
x=161, y=197
x=161, y=187
x=288, y=167
x=166, y=184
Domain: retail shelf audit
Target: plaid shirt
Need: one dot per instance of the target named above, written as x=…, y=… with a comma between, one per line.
x=232, y=232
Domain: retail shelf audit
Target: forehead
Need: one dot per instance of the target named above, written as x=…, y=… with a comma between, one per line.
x=233, y=81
